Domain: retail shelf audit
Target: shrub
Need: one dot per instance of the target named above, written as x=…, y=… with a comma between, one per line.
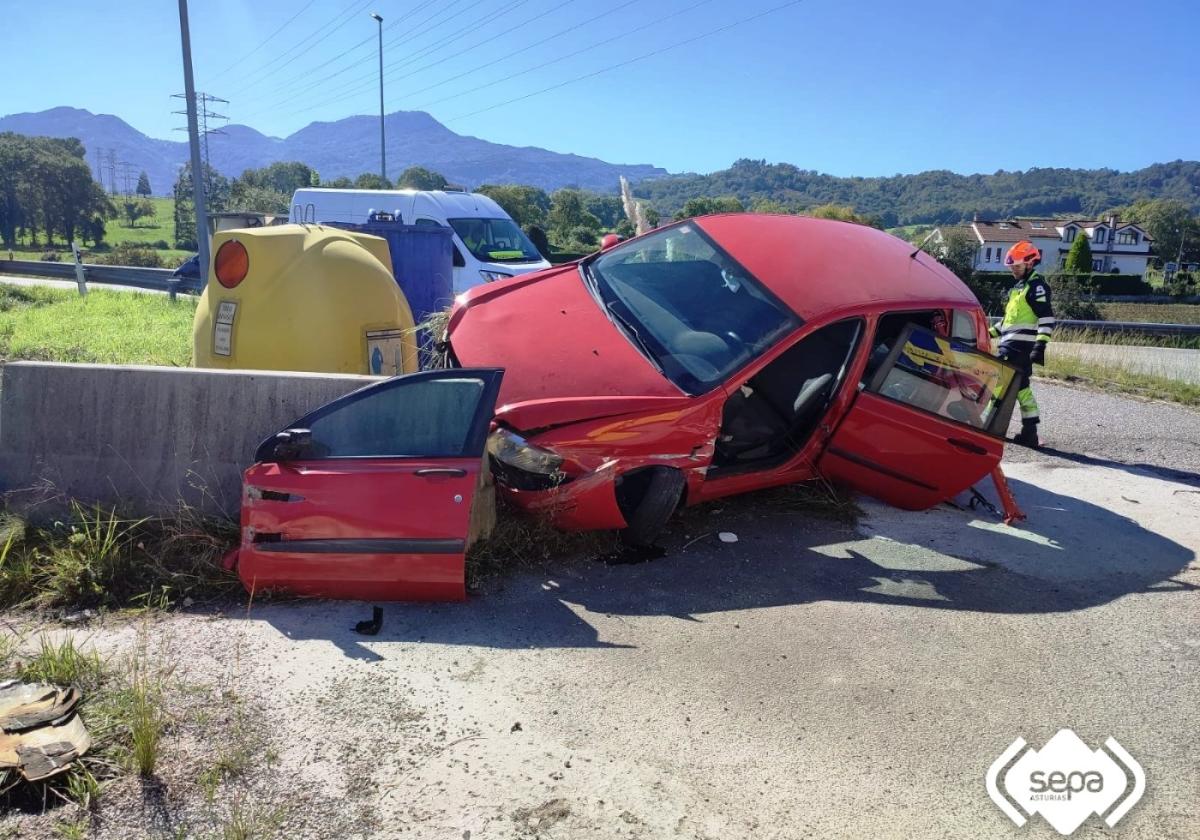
x=1071, y=295
x=51, y=256
x=1182, y=284
x=128, y=253
x=160, y=244
x=537, y=235
x=583, y=235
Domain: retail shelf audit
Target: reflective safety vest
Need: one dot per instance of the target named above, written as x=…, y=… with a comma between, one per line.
x=1028, y=315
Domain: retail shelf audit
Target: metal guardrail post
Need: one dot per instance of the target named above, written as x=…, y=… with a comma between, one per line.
x=80, y=278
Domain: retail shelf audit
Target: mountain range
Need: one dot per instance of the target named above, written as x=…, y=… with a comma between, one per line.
x=348, y=146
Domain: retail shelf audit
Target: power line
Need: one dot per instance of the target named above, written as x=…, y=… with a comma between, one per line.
x=297, y=93
x=265, y=41
x=203, y=115
x=325, y=31
x=633, y=60
x=619, y=36
x=350, y=89
x=371, y=78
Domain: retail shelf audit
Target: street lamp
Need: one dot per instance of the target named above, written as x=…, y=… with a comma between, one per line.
x=382, y=140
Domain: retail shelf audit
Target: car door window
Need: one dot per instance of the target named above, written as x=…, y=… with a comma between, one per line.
x=436, y=414
x=949, y=378
x=774, y=413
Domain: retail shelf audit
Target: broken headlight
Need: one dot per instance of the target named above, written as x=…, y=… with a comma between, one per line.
x=512, y=450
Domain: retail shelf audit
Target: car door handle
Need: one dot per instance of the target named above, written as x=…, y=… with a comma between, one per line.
x=967, y=446
x=453, y=472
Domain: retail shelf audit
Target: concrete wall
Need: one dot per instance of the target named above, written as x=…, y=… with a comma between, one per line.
x=144, y=438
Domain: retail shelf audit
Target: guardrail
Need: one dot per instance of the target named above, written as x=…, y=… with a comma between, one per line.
x=1126, y=327
x=153, y=279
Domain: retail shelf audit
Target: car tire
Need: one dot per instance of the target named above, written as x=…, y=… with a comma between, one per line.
x=648, y=498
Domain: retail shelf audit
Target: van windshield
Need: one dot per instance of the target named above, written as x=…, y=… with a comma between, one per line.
x=495, y=240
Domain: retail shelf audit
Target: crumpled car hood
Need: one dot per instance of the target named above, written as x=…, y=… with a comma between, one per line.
x=554, y=343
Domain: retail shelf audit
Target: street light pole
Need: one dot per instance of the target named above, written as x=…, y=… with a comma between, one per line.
x=382, y=139
x=189, y=91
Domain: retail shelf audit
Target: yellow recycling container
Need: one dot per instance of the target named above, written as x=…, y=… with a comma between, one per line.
x=306, y=298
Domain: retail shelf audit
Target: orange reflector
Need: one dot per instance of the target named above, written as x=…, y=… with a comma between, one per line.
x=231, y=263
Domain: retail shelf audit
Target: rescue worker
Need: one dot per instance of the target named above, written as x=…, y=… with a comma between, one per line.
x=1025, y=331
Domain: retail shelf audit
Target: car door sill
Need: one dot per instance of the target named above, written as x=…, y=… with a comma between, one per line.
x=879, y=468
x=364, y=546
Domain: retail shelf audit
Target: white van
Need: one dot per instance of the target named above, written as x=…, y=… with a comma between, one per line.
x=488, y=244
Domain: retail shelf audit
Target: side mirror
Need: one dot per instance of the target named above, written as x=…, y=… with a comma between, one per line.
x=290, y=445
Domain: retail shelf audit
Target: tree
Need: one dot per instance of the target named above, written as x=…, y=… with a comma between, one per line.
x=842, y=213
x=137, y=208
x=1079, y=258
x=607, y=208
x=706, y=206
x=568, y=213
x=420, y=178
x=143, y=185
x=371, y=181
x=537, y=235
x=526, y=205
x=216, y=196
x=1168, y=222
x=340, y=183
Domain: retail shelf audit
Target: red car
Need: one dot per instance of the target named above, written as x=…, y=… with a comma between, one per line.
x=716, y=356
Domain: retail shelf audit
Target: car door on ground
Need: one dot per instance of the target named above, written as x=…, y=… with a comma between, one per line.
x=371, y=495
x=928, y=421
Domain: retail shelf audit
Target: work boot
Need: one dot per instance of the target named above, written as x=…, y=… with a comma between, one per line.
x=1028, y=435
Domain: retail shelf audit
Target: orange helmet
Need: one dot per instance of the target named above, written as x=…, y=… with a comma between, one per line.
x=1023, y=252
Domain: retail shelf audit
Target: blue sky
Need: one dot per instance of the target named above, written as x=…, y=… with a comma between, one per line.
x=850, y=88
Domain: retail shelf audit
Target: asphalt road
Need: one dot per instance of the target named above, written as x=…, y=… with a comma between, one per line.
x=1086, y=426
x=811, y=679
x=70, y=285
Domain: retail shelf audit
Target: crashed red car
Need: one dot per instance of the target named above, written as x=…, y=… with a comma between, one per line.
x=716, y=356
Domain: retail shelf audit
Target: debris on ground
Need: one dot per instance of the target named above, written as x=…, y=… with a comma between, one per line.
x=371, y=626
x=40, y=732
x=727, y=537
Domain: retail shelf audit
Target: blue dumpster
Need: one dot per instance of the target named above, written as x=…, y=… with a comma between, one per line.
x=422, y=261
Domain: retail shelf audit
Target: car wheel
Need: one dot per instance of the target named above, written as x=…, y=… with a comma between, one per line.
x=647, y=499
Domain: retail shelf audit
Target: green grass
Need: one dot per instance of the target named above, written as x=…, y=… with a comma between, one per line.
x=97, y=559
x=105, y=327
x=148, y=230
x=1151, y=313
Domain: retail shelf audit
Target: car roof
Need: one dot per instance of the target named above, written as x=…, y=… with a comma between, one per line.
x=818, y=266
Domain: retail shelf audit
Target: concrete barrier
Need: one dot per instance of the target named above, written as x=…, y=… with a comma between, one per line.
x=145, y=439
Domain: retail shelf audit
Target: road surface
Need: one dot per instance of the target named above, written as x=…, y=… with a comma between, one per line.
x=70, y=285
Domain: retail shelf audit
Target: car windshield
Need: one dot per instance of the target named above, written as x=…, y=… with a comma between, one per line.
x=693, y=311
x=495, y=240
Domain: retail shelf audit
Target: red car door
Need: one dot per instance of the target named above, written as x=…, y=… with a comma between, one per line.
x=927, y=425
x=370, y=496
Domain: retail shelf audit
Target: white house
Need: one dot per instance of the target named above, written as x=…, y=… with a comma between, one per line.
x=1117, y=248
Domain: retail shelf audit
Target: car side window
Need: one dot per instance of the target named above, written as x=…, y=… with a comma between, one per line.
x=947, y=377
x=963, y=327
x=428, y=223
x=437, y=414
x=458, y=260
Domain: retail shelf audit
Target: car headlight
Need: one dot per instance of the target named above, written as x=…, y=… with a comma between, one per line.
x=511, y=449
x=489, y=276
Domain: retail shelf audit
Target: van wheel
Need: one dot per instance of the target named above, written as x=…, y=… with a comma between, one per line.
x=647, y=499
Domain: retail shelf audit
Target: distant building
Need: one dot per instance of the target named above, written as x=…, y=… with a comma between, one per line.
x=1117, y=248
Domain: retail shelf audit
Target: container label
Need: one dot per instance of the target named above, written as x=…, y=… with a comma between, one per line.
x=223, y=328
x=385, y=352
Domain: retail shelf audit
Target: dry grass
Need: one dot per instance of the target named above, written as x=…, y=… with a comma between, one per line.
x=99, y=559
x=1151, y=313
